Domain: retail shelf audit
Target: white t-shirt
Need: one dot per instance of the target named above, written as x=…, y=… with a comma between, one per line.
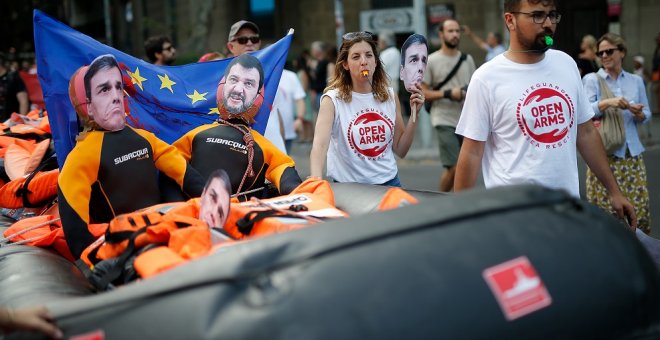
x=272, y=132
x=528, y=116
x=444, y=111
x=391, y=58
x=360, y=147
x=288, y=91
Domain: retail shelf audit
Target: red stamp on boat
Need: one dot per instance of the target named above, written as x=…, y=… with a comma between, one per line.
x=94, y=335
x=517, y=287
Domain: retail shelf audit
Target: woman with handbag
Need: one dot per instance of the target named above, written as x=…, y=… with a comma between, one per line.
x=620, y=104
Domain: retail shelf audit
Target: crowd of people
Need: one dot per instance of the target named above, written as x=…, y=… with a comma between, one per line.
x=345, y=101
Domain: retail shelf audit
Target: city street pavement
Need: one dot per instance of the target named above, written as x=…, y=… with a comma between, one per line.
x=421, y=168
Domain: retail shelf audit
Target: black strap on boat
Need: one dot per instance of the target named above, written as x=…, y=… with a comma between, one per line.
x=246, y=223
x=23, y=192
x=116, y=271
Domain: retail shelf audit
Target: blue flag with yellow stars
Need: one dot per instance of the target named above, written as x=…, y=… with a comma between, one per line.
x=166, y=100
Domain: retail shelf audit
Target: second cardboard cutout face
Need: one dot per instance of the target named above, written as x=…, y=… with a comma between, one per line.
x=414, y=55
x=214, y=202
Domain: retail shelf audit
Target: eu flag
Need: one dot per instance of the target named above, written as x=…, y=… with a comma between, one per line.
x=166, y=100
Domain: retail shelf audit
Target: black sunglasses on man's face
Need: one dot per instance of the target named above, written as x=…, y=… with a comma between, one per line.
x=243, y=40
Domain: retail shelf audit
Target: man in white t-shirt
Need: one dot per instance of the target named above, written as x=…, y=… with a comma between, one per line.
x=390, y=56
x=290, y=96
x=526, y=111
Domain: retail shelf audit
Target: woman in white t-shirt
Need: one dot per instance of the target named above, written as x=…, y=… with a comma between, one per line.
x=359, y=122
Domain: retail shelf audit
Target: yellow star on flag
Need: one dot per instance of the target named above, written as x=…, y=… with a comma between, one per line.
x=196, y=96
x=166, y=82
x=214, y=111
x=136, y=78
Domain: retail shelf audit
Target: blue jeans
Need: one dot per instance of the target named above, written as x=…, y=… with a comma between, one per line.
x=288, y=143
x=394, y=182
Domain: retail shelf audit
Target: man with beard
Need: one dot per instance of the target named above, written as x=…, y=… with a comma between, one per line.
x=160, y=50
x=241, y=86
x=230, y=144
x=447, y=100
x=526, y=111
x=244, y=38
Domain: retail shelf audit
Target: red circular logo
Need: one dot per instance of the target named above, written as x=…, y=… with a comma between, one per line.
x=369, y=134
x=546, y=115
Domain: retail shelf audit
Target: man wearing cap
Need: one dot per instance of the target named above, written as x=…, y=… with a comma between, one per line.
x=113, y=168
x=244, y=38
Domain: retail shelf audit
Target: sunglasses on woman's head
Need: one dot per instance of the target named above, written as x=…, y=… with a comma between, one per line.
x=243, y=40
x=358, y=35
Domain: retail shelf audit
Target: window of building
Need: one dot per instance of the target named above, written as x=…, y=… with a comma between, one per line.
x=262, y=13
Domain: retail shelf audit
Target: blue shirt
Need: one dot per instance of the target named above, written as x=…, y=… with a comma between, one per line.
x=629, y=86
x=493, y=52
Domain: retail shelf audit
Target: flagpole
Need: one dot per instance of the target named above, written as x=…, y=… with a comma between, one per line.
x=107, y=22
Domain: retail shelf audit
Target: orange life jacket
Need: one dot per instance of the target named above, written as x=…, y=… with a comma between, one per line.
x=138, y=233
x=184, y=245
x=45, y=231
x=279, y=214
x=31, y=191
x=395, y=198
x=23, y=157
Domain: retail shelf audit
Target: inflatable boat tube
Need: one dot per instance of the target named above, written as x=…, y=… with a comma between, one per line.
x=507, y=263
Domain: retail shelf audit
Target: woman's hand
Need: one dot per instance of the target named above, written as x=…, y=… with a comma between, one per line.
x=619, y=102
x=637, y=111
x=416, y=98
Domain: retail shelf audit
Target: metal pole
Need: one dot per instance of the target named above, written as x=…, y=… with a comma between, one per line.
x=339, y=21
x=420, y=16
x=108, y=22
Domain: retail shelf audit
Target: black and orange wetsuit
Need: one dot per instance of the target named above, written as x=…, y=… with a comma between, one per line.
x=111, y=173
x=216, y=145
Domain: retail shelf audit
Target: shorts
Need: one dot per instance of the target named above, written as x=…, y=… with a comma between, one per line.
x=450, y=145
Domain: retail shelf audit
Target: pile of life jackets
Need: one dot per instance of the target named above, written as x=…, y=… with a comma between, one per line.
x=144, y=243
x=147, y=242
x=28, y=175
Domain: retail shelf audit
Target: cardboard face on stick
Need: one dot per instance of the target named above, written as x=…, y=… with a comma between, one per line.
x=414, y=55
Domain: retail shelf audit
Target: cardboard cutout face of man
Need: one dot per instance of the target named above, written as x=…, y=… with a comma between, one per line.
x=214, y=202
x=241, y=88
x=106, y=105
x=414, y=56
x=240, y=92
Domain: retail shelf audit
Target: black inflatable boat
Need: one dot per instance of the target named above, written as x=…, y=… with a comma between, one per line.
x=507, y=263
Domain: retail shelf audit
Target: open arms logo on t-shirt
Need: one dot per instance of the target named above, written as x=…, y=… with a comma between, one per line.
x=545, y=115
x=370, y=133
